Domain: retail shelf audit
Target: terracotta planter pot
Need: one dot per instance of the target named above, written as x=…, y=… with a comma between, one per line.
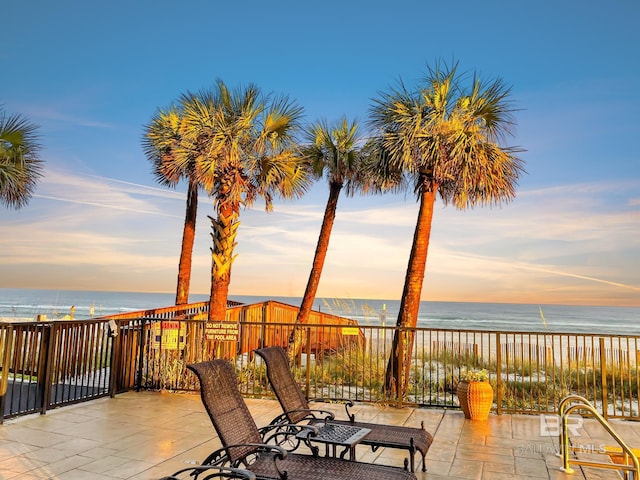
x=475, y=399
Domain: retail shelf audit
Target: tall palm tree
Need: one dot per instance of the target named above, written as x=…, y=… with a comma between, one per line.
x=20, y=164
x=246, y=151
x=173, y=161
x=445, y=138
x=334, y=153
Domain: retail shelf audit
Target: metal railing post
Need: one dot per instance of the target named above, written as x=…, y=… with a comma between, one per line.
x=116, y=359
x=6, y=365
x=138, y=381
x=49, y=334
x=603, y=379
x=498, y=375
x=308, y=373
x=263, y=326
x=400, y=367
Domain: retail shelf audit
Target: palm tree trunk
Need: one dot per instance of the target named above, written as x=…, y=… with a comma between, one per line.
x=398, y=367
x=218, y=300
x=296, y=338
x=224, y=231
x=188, y=236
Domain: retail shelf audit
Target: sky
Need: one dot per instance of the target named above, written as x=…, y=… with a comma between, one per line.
x=92, y=74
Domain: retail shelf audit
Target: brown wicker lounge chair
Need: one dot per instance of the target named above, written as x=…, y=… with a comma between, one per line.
x=296, y=408
x=210, y=472
x=244, y=445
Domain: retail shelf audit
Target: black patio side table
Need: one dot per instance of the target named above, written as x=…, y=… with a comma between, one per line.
x=335, y=435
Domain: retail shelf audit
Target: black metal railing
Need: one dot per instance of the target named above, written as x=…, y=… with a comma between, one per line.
x=47, y=364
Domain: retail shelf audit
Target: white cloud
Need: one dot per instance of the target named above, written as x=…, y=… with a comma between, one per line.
x=566, y=242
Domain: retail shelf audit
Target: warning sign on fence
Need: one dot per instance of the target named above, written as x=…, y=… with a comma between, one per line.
x=169, y=335
x=222, y=331
x=350, y=331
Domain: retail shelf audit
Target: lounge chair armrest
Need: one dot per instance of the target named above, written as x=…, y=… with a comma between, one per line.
x=310, y=414
x=208, y=472
x=221, y=456
x=293, y=429
x=347, y=405
x=315, y=413
x=290, y=434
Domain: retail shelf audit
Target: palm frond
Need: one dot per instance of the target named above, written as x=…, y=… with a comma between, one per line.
x=20, y=165
x=447, y=137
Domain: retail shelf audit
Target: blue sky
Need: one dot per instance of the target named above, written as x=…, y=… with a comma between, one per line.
x=92, y=75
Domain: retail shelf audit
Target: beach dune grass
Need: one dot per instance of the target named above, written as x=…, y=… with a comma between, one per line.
x=526, y=378
x=357, y=374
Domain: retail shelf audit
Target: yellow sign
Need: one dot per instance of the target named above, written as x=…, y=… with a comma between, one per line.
x=350, y=331
x=221, y=331
x=169, y=335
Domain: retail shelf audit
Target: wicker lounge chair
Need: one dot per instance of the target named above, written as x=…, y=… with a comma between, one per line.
x=210, y=472
x=296, y=408
x=244, y=445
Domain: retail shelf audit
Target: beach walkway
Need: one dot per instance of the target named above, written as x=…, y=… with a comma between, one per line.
x=145, y=435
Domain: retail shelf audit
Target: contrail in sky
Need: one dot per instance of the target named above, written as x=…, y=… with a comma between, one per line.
x=582, y=277
x=171, y=193
x=528, y=266
x=103, y=205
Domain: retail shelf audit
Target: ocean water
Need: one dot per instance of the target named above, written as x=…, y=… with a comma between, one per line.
x=24, y=304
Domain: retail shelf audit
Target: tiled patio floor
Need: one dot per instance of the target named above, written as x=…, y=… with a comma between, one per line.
x=147, y=435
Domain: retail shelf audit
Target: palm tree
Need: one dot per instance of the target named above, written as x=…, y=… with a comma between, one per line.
x=20, y=165
x=446, y=140
x=333, y=152
x=246, y=150
x=173, y=161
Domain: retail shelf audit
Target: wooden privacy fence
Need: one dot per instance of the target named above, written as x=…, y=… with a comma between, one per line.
x=47, y=364
x=275, y=323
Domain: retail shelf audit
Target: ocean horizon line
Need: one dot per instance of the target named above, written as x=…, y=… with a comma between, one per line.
x=18, y=304
x=318, y=298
